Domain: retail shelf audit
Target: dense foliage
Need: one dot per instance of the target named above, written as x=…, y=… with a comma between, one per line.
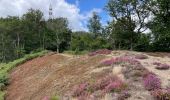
x=126, y=30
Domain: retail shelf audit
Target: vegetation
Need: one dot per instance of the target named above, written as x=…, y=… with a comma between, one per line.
x=23, y=37
x=6, y=67
x=126, y=30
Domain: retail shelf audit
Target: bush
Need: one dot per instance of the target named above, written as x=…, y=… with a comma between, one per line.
x=54, y=98
x=102, y=51
x=119, y=60
x=160, y=66
x=115, y=86
x=80, y=90
x=4, y=79
x=141, y=56
x=102, y=83
x=160, y=94
x=151, y=82
x=163, y=67
x=157, y=63
x=124, y=95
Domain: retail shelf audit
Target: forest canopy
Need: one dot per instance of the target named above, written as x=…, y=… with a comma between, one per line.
x=126, y=31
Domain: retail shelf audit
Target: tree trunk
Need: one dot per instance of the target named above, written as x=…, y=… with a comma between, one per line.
x=131, y=44
x=57, y=48
x=18, y=44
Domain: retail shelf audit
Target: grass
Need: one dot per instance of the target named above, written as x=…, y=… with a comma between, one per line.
x=6, y=67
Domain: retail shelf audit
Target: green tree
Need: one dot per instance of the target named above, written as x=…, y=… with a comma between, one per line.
x=31, y=22
x=94, y=25
x=160, y=25
x=61, y=33
x=131, y=14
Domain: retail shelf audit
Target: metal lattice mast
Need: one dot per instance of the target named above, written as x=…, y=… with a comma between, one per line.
x=50, y=12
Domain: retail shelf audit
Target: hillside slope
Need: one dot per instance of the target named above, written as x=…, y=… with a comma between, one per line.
x=57, y=74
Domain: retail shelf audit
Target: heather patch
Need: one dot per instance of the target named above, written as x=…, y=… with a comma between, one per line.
x=119, y=60
x=102, y=51
x=161, y=66
x=161, y=94
x=141, y=56
x=108, y=84
x=151, y=82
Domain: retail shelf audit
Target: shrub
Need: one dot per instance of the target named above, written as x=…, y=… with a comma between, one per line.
x=80, y=90
x=124, y=95
x=46, y=98
x=160, y=94
x=162, y=67
x=104, y=82
x=54, y=98
x=157, y=63
x=4, y=79
x=99, y=88
x=115, y=86
x=151, y=82
x=141, y=56
x=102, y=51
x=109, y=84
x=119, y=60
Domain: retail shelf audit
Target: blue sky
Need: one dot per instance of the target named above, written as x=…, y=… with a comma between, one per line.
x=88, y=5
x=77, y=12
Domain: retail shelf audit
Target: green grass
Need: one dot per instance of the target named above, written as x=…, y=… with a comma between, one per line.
x=6, y=67
x=2, y=94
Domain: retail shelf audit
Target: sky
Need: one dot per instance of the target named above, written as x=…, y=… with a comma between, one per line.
x=77, y=12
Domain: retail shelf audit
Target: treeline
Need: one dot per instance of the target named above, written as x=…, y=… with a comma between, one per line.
x=126, y=30
x=31, y=33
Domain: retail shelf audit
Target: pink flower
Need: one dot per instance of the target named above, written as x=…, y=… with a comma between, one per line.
x=118, y=60
x=151, y=82
x=114, y=86
x=163, y=67
x=46, y=98
x=80, y=89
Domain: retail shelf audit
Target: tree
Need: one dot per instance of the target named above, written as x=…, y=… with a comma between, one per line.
x=131, y=13
x=160, y=25
x=61, y=33
x=94, y=25
x=31, y=22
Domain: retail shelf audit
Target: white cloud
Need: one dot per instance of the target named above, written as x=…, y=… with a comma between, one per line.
x=60, y=9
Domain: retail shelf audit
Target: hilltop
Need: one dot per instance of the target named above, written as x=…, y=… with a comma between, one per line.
x=103, y=75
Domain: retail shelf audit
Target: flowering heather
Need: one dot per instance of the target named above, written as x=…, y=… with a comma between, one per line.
x=80, y=90
x=168, y=90
x=104, y=82
x=157, y=63
x=109, y=84
x=141, y=56
x=160, y=94
x=118, y=60
x=124, y=95
x=115, y=86
x=46, y=98
x=163, y=67
x=151, y=82
x=102, y=51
